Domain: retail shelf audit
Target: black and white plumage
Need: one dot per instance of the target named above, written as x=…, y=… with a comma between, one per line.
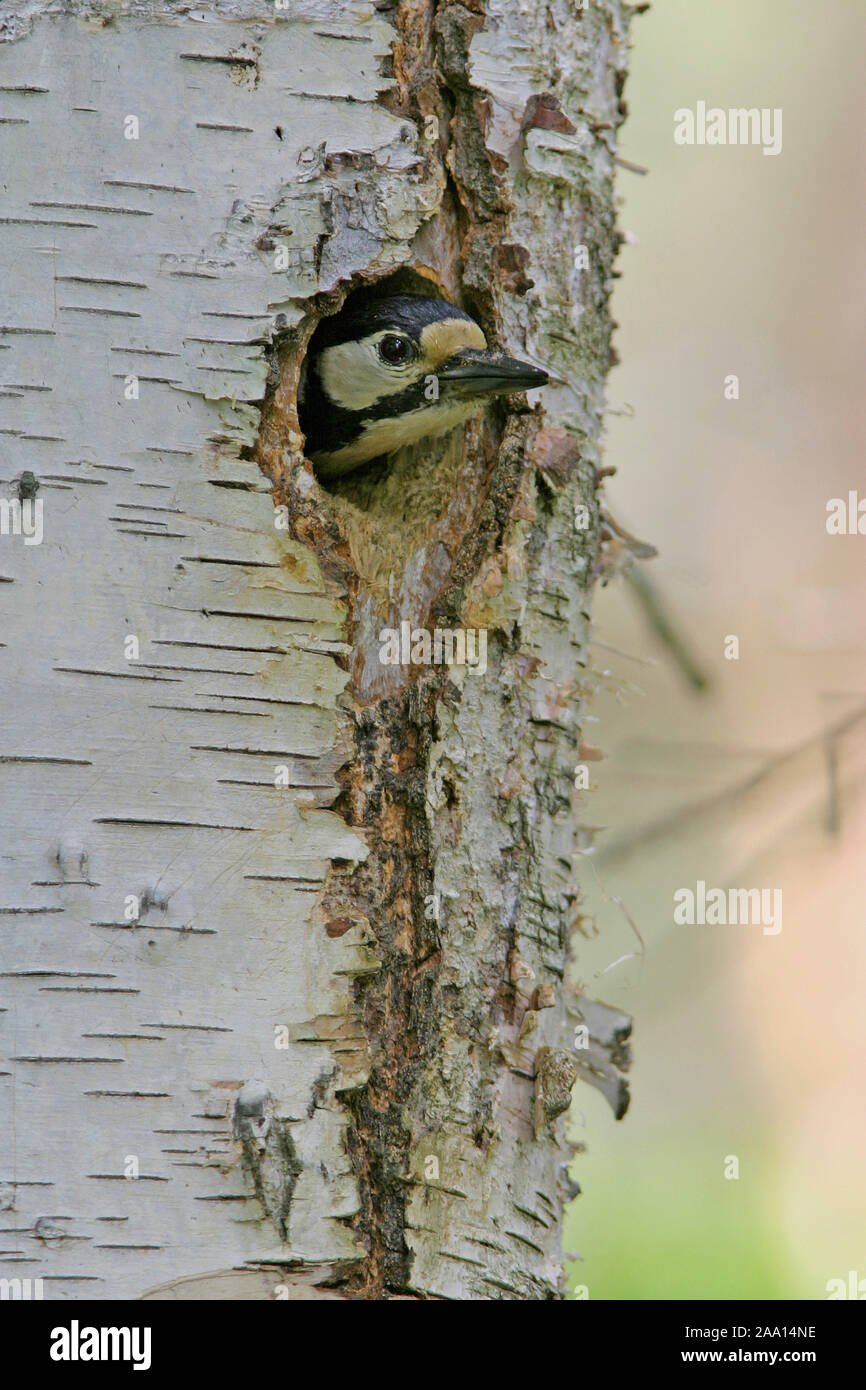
x=388, y=372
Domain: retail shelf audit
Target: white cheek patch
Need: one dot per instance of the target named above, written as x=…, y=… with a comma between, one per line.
x=355, y=377
x=384, y=436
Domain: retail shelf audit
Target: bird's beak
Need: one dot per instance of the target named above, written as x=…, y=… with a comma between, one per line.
x=472, y=372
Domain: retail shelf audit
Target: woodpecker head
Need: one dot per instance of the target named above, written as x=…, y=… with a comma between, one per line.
x=392, y=371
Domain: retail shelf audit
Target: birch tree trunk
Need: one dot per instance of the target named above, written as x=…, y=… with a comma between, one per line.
x=283, y=929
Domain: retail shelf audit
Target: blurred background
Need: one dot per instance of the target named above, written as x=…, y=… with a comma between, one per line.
x=746, y=1045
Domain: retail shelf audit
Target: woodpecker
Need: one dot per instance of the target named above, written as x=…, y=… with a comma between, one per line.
x=388, y=372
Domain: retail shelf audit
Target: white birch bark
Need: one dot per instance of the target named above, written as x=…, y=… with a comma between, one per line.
x=282, y=939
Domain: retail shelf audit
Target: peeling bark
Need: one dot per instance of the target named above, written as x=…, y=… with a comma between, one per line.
x=284, y=931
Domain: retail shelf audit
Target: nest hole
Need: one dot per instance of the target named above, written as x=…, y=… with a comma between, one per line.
x=408, y=503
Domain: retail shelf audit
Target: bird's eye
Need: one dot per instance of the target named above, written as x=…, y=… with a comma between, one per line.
x=395, y=349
